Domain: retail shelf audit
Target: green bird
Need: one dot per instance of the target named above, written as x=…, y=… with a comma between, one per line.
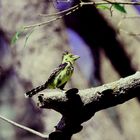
x=59, y=77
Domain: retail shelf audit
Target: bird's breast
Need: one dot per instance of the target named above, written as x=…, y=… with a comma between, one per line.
x=69, y=70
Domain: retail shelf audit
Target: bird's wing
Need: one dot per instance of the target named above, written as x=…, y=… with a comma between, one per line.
x=56, y=72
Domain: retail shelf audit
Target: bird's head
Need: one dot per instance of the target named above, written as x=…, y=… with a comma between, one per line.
x=68, y=57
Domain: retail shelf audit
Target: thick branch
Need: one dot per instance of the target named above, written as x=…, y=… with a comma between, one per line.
x=93, y=99
x=78, y=106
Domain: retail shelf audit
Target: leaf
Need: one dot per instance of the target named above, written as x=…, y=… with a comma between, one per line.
x=19, y=33
x=15, y=37
x=119, y=7
x=102, y=6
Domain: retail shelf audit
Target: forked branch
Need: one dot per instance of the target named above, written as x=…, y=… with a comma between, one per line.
x=78, y=106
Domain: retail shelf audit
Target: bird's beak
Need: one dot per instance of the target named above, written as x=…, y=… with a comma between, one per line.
x=76, y=57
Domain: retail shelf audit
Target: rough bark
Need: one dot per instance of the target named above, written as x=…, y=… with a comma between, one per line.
x=78, y=106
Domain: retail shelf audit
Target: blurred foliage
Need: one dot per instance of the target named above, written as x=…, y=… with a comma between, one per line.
x=119, y=7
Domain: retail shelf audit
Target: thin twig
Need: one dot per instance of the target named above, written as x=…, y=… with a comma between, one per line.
x=120, y=2
x=24, y=127
x=43, y=23
x=74, y=8
x=129, y=33
x=58, y=13
x=123, y=30
x=130, y=17
x=28, y=35
x=110, y=2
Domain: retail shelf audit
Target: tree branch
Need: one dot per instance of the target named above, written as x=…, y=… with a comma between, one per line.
x=24, y=127
x=122, y=2
x=74, y=8
x=78, y=106
x=116, y=93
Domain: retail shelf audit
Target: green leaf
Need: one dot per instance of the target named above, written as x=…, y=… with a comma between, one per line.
x=119, y=7
x=15, y=37
x=102, y=6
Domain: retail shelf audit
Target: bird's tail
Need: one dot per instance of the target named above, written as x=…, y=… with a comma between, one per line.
x=35, y=90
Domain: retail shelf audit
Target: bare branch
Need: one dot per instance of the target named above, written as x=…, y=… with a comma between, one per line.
x=62, y=12
x=93, y=99
x=67, y=12
x=125, y=31
x=129, y=33
x=78, y=106
x=74, y=8
x=24, y=127
x=121, y=2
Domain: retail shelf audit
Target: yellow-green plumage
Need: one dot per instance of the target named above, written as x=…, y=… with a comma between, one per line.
x=59, y=76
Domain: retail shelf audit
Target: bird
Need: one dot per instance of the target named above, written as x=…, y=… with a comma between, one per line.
x=60, y=75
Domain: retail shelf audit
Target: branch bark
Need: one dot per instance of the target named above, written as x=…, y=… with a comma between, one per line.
x=78, y=106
